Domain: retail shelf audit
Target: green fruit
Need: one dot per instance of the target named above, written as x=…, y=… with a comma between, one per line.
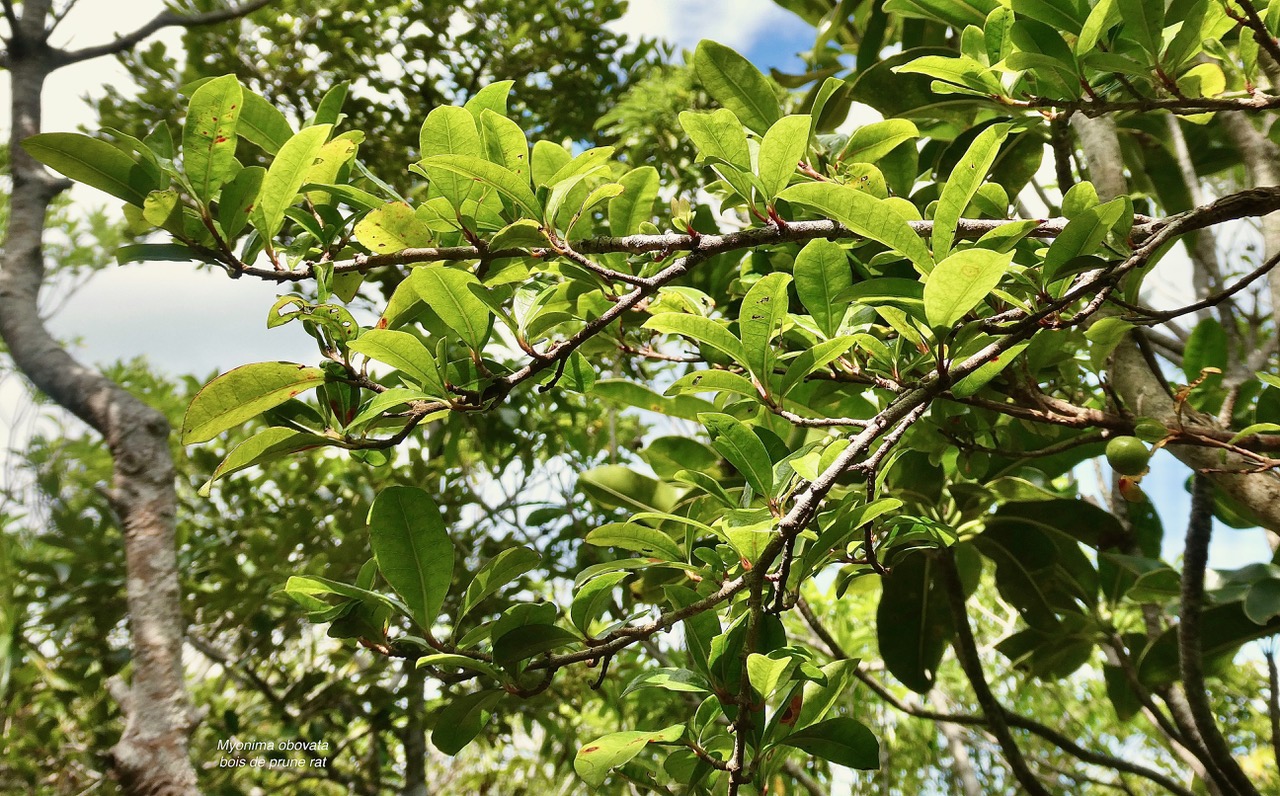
x=1128, y=455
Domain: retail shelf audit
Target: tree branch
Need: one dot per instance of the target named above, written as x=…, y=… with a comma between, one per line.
x=165, y=19
x=1195, y=559
x=967, y=654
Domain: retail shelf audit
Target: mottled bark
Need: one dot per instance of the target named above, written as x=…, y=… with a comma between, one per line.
x=152, y=757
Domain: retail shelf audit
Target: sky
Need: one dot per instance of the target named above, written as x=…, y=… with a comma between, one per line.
x=189, y=320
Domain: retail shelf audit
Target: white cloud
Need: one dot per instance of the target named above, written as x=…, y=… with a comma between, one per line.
x=735, y=23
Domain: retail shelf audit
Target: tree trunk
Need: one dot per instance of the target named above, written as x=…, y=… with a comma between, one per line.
x=152, y=755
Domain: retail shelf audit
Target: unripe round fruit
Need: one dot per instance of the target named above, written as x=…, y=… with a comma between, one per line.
x=1128, y=455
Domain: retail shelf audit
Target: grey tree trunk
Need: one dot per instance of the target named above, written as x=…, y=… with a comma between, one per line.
x=152, y=756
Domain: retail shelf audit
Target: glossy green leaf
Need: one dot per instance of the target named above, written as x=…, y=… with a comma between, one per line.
x=962, y=184
x=392, y=228
x=261, y=123
x=768, y=672
x=760, y=319
x=492, y=98
x=913, y=622
x=526, y=641
x=285, y=177
x=93, y=162
x=617, y=486
x=637, y=538
x=498, y=572
x=668, y=679
x=744, y=450
x=1083, y=234
x=718, y=135
x=209, y=135
x=703, y=330
x=451, y=132
x=873, y=141
x=736, y=84
x=245, y=393
x=865, y=215
x=448, y=291
x=471, y=168
x=413, y=549
x=781, y=150
x=237, y=200
x=822, y=272
x=843, y=741
x=634, y=206
x=404, y=352
x=960, y=282
x=595, y=760
x=1144, y=20
x=459, y=721
x=265, y=446
x=629, y=393
x=1224, y=629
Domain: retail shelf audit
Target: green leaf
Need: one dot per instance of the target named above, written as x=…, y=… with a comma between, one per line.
x=595, y=760
x=1207, y=347
x=767, y=672
x=963, y=183
x=592, y=597
x=1224, y=629
x=1083, y=234
x=913, y=622
x=865, y=215
x=871, y=142
x=811, y=359
x=392, y=228
x=960, y=282
x=505, y=143
x=629, y=393
x=781, y=150
x=634, y=206
x=1262, y=603
x=461, y=720
x=843, y=741
x=617, y=486
x=244, y=393
x=744, y=450
x=209, y=135
x=285, y=177
x=261, y=123
x=498, y=572
x=492, y=98
x=1104, y=16
x=525, y=641
x=637, y=538
x=413, y=549
x=448, y=291
x=237, y=200
x=822, y=273
x=95, y=163
x=264, y=446
x=152, y=252
x=451, y=131
x=404, y=352
x=471, y=168
x=1144, y=20
x=668, y=679
x=718, y=135
x=703, y=330
x=760, y=319
x=735, y=83
x=713, y=381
